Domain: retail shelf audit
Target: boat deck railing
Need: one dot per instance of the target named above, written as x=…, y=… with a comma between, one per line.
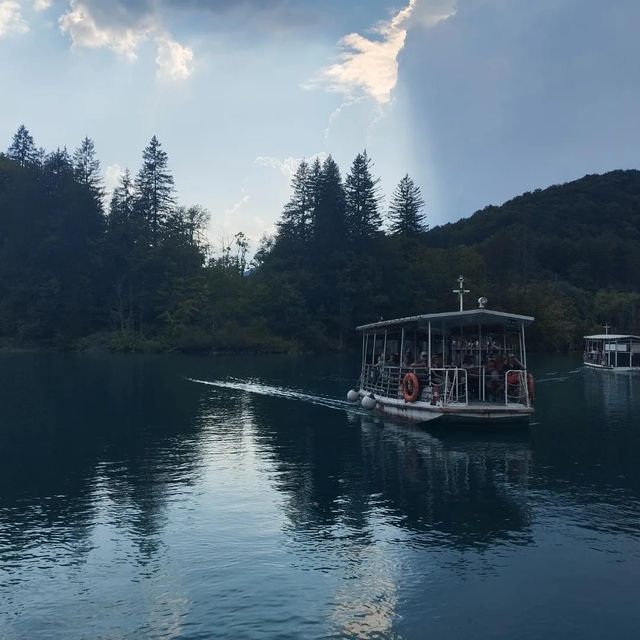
x=449, y=385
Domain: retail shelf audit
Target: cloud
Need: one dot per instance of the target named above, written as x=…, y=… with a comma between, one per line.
x=287, y=167
x=11, y=20
x=369, y=66
x=41, y=5
x=80, y=24
x=173, y=59
x=112, y=175
x=236, y=207
x=122, y=28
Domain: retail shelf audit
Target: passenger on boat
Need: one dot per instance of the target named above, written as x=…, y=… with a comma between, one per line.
x=436, y=376
x=495, y=379
x=513, y=363
x=407, y=359
x=467, y=363
x=421, y=362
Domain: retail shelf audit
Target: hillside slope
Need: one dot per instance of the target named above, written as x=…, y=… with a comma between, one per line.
x=586, y=232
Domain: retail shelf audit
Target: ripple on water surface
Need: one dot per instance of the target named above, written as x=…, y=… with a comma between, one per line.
x=212, y=497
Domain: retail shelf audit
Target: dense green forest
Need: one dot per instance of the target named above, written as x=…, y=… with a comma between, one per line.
x=134, y=271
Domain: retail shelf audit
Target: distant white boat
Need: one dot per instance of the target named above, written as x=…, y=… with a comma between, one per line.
x=463, y=366
x=612, y=352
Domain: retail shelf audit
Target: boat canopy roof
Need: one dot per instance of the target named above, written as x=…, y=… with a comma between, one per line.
x=455, y=318
x=611, y=336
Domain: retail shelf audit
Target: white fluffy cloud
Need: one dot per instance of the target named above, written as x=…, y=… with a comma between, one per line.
x=83, y=29
x=97, y=29
x=369, y=66
x=41, y=5
x=173, y=59
x=11, y=20
x=112, y=175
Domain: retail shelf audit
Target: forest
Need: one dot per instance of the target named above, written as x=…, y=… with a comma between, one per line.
x=133, y=270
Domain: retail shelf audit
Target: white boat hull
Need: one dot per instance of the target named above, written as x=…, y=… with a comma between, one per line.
x=605, y=367
x=478, y=413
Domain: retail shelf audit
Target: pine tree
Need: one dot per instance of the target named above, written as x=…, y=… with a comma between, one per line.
x=58, y=170
x=405, y=211
x=329, y=223
x=295, y=222
x=154, y=187
x=362, y=199
x=315, y=184
x=122, y=200
x=22, y=149
x=86, y=168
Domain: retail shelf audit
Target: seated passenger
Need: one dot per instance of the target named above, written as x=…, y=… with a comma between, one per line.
x=514, y=363
x=407, y=359
x=421, y=362
x=436, y=376
x=494, y=380
x=468, y=363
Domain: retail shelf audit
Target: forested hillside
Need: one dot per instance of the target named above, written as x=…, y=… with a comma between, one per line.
x=133, y=270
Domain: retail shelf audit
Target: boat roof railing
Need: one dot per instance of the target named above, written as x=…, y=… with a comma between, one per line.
x=611, y=336
x=455, y=318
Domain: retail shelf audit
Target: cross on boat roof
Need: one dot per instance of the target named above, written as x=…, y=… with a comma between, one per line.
x=460, y=291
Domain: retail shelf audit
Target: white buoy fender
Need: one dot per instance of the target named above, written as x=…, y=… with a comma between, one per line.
x=353, y=395
x=369, y=402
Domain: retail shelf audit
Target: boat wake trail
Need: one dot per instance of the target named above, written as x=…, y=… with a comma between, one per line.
x=255, y=386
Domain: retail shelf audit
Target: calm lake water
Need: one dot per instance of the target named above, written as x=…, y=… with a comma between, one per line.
x=136, y=503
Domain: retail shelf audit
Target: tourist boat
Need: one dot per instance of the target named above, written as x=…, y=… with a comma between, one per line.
x=463, y=366
x=612, y=352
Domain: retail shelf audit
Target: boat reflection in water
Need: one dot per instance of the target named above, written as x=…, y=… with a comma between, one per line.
x=615, y=394
x=460, y=488
x=388, y=494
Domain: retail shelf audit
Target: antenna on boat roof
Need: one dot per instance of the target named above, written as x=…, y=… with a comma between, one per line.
x=606, y=328
x=461, y=291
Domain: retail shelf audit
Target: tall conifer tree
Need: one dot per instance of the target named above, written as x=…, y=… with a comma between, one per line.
x=122, y=200
x=405, y=209
x=362, y=199
x=154, y=187
x=86, y=168
x=329, y=223
x=22, y=149
x=58, y=170
x=295, y=222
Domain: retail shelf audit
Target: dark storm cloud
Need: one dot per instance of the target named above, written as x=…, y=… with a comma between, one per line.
x=202, y=14
x=135, y=12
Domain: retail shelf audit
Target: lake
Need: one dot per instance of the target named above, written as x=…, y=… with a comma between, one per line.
x=138, y=503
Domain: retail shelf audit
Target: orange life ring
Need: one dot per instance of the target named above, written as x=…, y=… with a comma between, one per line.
x=531, y=387
x=410, y=387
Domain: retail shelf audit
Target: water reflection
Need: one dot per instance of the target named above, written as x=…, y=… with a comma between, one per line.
x=615, y=393
x=80, y=436
x=459, y=488
x=134, y=503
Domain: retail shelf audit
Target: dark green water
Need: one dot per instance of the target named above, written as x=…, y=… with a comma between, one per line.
x=135, y=503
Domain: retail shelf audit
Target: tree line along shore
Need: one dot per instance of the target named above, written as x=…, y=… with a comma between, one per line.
x=135, y=272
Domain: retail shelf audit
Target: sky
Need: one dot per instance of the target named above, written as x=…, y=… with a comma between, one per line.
x=477, y=100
